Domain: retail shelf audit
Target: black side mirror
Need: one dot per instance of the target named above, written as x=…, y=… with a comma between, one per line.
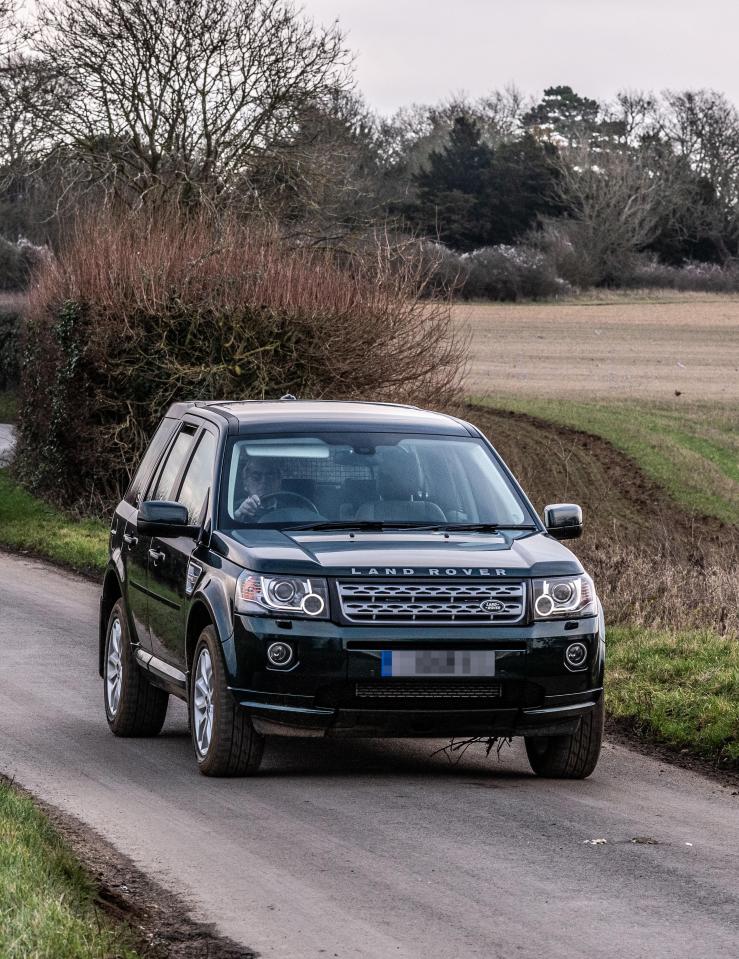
x=563, y=520
x=158, y=517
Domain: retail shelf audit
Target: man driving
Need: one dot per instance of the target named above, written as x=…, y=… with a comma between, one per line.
x=260, y=479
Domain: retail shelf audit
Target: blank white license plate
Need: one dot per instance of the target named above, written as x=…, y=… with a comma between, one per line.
x=438, y=662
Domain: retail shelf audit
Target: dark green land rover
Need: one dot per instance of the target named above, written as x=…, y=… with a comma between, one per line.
x=345, y=569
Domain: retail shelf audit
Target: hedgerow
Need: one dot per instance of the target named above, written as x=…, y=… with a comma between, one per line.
x=138, y=311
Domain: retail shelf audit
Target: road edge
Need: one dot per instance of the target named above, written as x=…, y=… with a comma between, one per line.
x=160, y=920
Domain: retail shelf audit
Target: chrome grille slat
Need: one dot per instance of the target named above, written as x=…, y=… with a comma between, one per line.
x=439, y=601
x=425, y=690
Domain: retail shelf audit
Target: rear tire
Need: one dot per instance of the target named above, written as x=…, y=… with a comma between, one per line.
x=133, y=706
x=569, y=757
x=225, y=741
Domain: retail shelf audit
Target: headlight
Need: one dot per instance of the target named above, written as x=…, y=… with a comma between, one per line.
x=296, y=595
x=564, y=596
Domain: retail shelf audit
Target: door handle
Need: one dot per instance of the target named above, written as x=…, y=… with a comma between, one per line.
x=156, y=556
x=130, y=540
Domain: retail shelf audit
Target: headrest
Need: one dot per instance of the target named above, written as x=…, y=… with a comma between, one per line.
x=398, y=476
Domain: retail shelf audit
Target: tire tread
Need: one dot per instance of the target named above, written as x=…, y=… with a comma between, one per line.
x=143, y=707
x=569, y=757
x=236, y=747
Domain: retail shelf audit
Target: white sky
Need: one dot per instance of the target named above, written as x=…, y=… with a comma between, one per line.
x=423, y=50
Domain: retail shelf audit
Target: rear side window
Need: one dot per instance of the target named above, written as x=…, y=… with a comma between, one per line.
x=146, y=467
x=174, y=462
x=196, y=483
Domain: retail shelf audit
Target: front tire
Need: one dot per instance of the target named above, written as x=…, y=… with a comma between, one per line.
x=133, y=706
x=569, y=757
x=225, y=741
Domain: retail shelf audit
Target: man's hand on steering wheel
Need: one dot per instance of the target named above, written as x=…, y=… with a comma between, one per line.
x=289, y=495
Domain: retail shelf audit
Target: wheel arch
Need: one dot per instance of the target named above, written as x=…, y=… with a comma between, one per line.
x=200, y=616
x=112, y=592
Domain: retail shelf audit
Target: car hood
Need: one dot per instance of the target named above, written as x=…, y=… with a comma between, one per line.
x=397, y=553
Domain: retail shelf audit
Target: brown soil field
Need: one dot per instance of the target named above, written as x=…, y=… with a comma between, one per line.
x=623, y=346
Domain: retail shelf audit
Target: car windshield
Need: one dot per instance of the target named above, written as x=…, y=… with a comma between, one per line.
x=366, y=479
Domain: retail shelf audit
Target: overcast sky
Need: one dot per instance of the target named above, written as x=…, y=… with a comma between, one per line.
x=423, y=50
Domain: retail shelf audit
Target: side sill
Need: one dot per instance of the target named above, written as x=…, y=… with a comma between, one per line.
x=160, y=669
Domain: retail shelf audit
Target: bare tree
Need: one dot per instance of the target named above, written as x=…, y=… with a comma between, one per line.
x=8, y=27
x=614, y=207
x=182, y=93
x=703, y=127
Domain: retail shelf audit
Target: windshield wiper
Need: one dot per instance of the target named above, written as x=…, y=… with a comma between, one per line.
x=358, y=524
x=485, y=527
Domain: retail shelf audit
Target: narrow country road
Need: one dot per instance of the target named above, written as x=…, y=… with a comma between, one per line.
x=369, y=849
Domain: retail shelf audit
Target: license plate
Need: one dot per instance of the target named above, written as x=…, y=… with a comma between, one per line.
x=438, y=662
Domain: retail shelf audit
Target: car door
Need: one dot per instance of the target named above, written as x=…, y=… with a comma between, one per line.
x=134, y=545
x=170, y=557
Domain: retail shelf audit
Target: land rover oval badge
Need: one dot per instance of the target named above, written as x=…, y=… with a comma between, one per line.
x=492, y=605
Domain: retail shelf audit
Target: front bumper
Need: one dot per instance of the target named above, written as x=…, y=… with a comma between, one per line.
x=317, y=695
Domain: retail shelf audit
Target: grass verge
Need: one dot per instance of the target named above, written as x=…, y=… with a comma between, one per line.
x=27, y=524
x=692, y=451
x=47, y=901
x=679, y=688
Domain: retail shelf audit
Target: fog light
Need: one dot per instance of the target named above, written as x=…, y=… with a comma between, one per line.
x=280, y=654
x=575, y=655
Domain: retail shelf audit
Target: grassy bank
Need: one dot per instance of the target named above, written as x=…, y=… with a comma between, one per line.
x=679, y=688
x=28, y=524
x=692, y=450
x=47, y=901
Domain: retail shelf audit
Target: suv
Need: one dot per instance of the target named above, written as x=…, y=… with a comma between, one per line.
x=345, y=569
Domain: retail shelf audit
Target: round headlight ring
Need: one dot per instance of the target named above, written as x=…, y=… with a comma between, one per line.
x=313, y=604
x=544, y=604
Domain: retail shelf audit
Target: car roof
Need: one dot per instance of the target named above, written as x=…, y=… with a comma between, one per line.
x=326, y=415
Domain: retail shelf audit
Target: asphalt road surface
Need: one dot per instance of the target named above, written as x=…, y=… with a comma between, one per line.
x=7, y=442
x=366, y=848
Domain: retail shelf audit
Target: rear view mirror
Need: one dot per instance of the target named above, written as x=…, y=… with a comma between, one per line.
x=162, y=518
x=563, y=520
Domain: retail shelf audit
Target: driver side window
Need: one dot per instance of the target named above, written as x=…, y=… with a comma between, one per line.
x=196, y=482
x=173, y=464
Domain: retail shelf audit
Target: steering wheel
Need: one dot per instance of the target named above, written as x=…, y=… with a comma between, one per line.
x=289, y=495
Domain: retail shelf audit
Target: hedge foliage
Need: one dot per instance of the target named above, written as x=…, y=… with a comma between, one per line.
x=141, y=310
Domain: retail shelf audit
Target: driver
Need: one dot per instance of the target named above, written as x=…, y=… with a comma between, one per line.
x=260, y=480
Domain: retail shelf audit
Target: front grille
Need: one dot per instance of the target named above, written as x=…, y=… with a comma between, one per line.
x=438, y=601
x=416, y=690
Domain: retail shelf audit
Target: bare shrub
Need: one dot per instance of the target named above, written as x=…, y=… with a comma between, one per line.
x=649, y=273
x=510, y=273
x=141, y=310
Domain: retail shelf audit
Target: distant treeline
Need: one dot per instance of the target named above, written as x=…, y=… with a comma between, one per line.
x=247, y=106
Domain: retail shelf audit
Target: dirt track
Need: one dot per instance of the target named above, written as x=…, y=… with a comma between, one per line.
x=619, y=348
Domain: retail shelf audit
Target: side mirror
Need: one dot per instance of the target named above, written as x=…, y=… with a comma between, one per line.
x=159, y=517
x=563, y=520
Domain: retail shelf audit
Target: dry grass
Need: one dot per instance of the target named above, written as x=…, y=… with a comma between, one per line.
x=662, y=586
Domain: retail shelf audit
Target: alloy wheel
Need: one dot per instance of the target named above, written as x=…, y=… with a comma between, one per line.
x=203, y=707
x=114, y=667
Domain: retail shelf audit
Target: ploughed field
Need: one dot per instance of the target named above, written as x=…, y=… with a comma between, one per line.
x=613, y=347
x=656, y=378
